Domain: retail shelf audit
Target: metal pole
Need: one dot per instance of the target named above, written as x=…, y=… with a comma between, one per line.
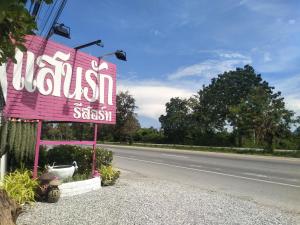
x=37, y=149
x=94, y=149
x=98, y=42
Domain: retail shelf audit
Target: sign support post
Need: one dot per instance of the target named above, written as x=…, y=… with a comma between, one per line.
x=94, y=149
x=37, y=148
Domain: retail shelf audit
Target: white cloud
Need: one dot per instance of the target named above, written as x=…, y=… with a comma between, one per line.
x=271, y=8
x=267, y=57
x=293, y=103
x=212, y=67
x=283, y=59
x=292, y=21
x=151, y=97
x=232, y=55
x=290, y=89
x=157, y=33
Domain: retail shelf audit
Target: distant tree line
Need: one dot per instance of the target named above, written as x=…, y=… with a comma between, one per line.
x=125, y=129
x=238, y=108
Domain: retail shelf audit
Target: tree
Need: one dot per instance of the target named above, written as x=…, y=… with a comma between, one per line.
x=149, y=135
x=176, y=123
x=263, y=113
x=129, y=128
x=126, y=121
x=15, y=23
x=228, y=89
x=248, y=104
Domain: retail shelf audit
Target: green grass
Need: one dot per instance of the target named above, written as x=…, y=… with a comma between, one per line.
x=248, y=151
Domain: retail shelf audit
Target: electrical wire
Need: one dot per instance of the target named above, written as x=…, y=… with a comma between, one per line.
x=62, y=6
x=48, y=17
x=39, y=11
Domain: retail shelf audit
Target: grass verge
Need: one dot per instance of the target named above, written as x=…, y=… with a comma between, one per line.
x=248, y=151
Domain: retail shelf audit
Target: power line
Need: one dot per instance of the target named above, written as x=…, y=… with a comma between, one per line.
x=62, y=6
x=48, y=17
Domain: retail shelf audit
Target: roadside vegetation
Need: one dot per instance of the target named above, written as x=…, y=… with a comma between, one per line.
x=66, y=154
x=248, y=151
x=238, y=109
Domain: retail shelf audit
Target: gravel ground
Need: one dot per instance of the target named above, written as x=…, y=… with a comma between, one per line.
x=141, y=200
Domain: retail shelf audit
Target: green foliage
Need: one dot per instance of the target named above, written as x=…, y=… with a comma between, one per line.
x=176, y=124
x=148, y=135
x=66, y=154
x=18, y=140
x=126, y=121
x=239, y=100
x=237, y=150
x=20, y=187
x=65, y=131
x=15, y=23
x=82, y=131
x=123, y=131
x=103, y=157
x=3, y=137
x=109, y=175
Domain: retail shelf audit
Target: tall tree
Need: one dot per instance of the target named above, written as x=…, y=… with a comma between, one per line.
x=228, y=89
x=126, y=122
x=263, y=113
x=176, y=123
x=243, y=100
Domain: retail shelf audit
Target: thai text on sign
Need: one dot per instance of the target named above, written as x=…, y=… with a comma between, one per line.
x=53, y=82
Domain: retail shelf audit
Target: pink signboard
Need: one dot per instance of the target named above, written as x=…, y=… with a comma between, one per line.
x=57, y=83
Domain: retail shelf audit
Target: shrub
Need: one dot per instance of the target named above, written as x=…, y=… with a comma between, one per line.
x=20, y=187
x=103, y=157
x=109, y=175
x=66, y=154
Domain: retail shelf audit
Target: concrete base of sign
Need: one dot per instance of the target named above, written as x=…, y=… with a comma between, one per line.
x=80, y=187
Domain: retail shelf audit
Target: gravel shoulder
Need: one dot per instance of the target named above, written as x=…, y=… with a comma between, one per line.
x=140, y=200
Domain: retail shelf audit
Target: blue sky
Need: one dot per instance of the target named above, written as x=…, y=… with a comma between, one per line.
x=174, y=47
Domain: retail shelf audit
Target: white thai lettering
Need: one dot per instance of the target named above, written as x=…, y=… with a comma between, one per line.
x=77, y=110
x=102, y=88
x=30, y=84
x=49, y=75
x=88, y=113
x=93, y=86
x=18, y=80
x=108, y=116
x=101, y=114
x=41, y=77
x=3, y=80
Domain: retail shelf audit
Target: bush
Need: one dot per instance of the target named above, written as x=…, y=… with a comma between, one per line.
x=66, y=154
x=103, y=157
x=109, y=175
x=20, y=187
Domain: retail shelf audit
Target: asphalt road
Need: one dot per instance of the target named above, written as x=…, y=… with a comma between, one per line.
x=266, y=180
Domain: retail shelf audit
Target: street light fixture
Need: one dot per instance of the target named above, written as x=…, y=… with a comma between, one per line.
x=97, y=42
x=120, y=54
x=62, y=30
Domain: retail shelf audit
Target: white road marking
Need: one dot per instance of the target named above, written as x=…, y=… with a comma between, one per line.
x=213, y=172
x=176, y=156
x=196, y=165
x=271, y=177
x=256, y=175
